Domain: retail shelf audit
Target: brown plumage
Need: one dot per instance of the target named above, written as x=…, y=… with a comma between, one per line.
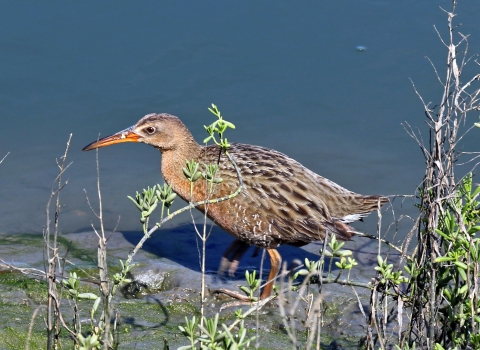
x=282, y=202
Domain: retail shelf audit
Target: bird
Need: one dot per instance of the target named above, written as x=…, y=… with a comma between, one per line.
x=281, y=201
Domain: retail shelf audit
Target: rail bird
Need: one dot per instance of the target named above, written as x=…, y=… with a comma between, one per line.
x=281, y=202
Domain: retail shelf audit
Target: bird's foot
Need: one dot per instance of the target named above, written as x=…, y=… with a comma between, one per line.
x=231, y=257
x=227, y=265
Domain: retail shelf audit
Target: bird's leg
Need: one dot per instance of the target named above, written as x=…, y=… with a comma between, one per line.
x=275, y=262
x=255, y=253
x=231, y=257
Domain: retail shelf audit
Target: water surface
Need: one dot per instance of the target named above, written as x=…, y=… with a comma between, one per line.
x=287, y=74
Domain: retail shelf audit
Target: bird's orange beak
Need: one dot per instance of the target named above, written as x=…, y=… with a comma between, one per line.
x=127, y=135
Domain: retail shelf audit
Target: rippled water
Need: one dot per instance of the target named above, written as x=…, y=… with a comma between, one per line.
x=325, y=82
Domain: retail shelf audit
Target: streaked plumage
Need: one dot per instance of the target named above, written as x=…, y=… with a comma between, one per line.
x=282, y=202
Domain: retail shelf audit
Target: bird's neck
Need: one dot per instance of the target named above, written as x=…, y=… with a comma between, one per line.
x=172, y=163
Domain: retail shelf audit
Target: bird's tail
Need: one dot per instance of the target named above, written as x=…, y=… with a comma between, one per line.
x=371, y=203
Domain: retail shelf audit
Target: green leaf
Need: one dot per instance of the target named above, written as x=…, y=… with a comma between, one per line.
x=245, y=289
x=307, y=263
x=343, y=253
x=186, y=173
x=476, y=192
x=473, y=229
x=462, y=273
x=444, y=235
x=447, y=294
x=196, y=176
x=463, y=290
x=95, y=305
x=207, y=139
x=443, y=259
x=171, y=197
x=327, y=253
x=379, y=260
x=303, y=272
x=461, y=265
x=89, y=296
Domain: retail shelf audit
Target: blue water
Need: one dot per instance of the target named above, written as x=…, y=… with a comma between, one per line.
x=288, y=74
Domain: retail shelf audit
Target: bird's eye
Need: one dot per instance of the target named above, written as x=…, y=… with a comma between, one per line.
x=150, y=130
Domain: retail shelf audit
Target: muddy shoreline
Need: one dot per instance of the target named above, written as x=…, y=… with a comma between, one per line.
x=169, y=261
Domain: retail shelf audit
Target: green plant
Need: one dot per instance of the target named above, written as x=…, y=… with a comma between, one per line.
x=312, y=270
x=166, y=195
x=147, y=201
x=253, y=285
x=209, y=336
x=458, y=267
x=219, y=127
x=89, y=343
x=189, y=331
x=72, y=285
x=387, y=275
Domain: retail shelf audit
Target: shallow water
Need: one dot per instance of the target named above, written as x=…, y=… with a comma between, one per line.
x=288, y=75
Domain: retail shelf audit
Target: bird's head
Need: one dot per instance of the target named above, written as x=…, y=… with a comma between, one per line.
x=163, y=131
